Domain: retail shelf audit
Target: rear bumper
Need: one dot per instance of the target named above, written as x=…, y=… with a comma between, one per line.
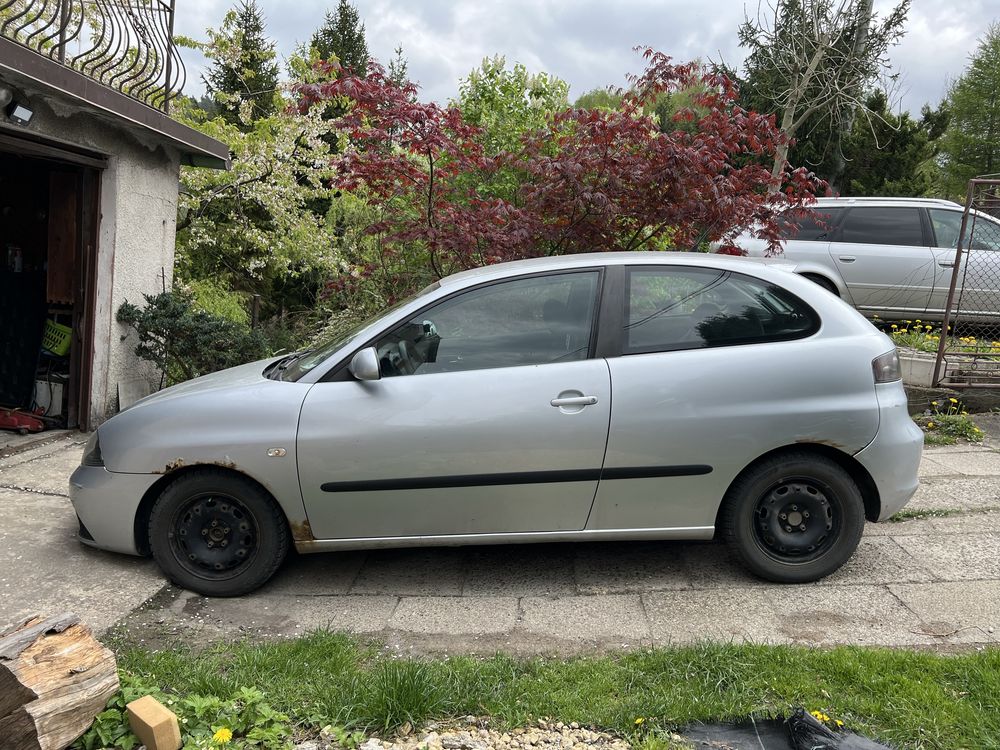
x=106, y=504
x=893, y=457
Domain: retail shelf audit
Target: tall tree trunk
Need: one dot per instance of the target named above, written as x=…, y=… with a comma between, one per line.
x=845, y=118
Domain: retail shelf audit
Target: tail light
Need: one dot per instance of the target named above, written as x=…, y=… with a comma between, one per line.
x=886, y=367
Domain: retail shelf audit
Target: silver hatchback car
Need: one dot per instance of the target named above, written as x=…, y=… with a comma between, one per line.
x=594, y=397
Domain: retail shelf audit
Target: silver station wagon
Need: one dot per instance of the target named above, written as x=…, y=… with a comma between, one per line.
x=894, y=257
x=594, y=397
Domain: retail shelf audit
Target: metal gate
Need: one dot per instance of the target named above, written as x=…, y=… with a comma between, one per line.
x=969, y=349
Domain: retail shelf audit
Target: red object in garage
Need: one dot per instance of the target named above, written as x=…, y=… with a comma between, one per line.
x=20, y=421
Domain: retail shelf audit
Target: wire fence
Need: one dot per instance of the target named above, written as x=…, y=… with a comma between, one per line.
x=969, y=349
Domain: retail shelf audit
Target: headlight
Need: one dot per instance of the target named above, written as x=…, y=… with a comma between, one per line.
x=92, y=452
x=886, y=367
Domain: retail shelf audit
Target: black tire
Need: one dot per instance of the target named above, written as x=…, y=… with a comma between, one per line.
x=217, y=533
x=807, y=488
x=823, y=282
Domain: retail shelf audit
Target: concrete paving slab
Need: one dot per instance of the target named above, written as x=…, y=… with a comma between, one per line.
x=709, y=565
x=321, y=574
x=970, y=464
x=45, y=570
x=36, y=447
x=829, y=615
x=879, y=560
x=955, y=608
x=957, y=557
x=956, y=493
x=967, y=523
x=48, y=473
x=616, y=567
x=294, y=615
x=912, y=527
x=930, y=467
x=412, y=572
x=613, y=619
x=740, y=615
x=526, y=570
x=451, y=615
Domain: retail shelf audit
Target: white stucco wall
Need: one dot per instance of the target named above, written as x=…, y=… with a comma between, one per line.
x=136, y=236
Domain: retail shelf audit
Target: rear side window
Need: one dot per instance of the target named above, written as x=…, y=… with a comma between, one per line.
x=809, y=224
x=674, y=308
x=883, y=225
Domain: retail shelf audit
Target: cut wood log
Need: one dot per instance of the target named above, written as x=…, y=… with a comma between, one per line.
x=55, y=677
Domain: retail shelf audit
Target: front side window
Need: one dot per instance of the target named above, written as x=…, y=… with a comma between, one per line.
x=948, y=225
x=883, y=225
x=532, y=321
x=690, y=308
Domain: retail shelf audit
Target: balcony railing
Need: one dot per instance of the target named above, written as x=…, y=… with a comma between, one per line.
x=127, y=45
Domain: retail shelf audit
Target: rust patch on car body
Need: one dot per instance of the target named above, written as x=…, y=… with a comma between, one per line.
x=179, y=463
x=171, y=466
x=301, y=531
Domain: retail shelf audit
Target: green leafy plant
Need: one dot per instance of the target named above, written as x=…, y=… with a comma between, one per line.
x=185, y=342
x=242, y=721
x=945, y=423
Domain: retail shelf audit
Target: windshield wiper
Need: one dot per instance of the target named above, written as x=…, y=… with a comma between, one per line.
x=283, y=364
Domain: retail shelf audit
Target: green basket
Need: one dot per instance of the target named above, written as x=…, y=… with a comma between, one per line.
x=56, y=338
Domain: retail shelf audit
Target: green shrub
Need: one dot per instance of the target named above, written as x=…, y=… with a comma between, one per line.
x=185, y=342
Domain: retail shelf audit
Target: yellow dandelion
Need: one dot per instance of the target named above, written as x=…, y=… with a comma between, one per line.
x=640, y=721
x=838, y=722
x=953, y=400
x=894, y=325
x=928, y=328
x=917, y=320
x=930, y=425
x=934, y=403
x=965, y=413
x=222, y=735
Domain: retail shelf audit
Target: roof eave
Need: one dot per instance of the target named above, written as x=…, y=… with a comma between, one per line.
x=196, y=149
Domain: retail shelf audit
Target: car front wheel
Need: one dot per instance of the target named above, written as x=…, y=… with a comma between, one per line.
x=217, y=534
x=793, y=518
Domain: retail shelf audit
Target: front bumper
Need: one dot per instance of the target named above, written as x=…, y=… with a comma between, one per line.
x=893, y=457
x=106, y=504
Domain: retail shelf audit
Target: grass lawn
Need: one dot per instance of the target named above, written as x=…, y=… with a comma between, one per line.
x=911, y=699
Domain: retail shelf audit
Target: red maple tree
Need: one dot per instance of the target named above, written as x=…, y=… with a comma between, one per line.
x=590, y=180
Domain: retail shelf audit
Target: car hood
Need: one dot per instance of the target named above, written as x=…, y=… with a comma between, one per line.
x=242, y=375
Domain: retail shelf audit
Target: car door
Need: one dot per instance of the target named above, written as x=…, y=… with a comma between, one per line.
x=716, y=369
x=490, y=416
x=883, y=254
x=978, y=282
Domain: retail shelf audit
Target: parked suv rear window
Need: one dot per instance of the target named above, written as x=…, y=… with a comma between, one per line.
x=883, y=225
x=691, y=308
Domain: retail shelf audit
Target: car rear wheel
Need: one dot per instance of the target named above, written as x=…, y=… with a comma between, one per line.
x=793, y=518
x=218, y=534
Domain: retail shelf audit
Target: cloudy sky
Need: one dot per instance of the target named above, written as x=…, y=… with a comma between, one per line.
x=587, y=42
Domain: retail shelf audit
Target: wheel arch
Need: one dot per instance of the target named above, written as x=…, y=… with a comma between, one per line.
x=857, y=472
x=141, y=523
x=824, y=280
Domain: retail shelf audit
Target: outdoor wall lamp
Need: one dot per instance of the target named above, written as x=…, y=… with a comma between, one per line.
x=18, y=112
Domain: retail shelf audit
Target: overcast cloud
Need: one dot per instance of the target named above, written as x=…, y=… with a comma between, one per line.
x=587, y=42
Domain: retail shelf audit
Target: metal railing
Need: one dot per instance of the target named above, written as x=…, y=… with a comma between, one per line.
x=969, y=349
x=127, y=45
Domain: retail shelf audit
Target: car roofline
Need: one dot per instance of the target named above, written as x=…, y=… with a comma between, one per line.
x=591, y=260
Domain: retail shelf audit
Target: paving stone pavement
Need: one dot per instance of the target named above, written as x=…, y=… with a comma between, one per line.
x=932, y=581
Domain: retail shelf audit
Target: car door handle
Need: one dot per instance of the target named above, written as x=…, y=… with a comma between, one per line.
x=946, y=263
x=847, y=258
x=574, y=401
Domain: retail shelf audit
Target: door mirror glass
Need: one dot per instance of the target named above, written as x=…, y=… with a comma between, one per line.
x=364, y=365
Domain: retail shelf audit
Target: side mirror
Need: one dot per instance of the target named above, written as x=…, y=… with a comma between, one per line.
x=364, y=365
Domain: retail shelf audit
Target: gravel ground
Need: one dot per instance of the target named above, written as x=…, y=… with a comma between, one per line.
x=478, y=736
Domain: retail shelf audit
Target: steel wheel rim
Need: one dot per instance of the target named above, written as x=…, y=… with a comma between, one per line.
x=214, y=536
x=797, y=520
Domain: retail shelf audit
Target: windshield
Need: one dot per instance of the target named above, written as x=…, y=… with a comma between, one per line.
x=307, y=360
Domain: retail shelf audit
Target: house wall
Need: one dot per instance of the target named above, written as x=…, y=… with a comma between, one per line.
x=135, y=253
